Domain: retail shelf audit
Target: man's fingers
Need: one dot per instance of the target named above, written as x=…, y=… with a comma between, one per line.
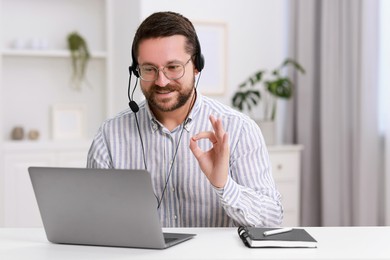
x=217, y=126
x=205, y=135
x=195, y=148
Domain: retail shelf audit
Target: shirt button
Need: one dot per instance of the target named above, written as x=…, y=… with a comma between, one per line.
x=173, y=189
x=175, y=217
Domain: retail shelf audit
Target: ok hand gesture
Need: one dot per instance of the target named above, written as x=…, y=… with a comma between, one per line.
x=214, y=162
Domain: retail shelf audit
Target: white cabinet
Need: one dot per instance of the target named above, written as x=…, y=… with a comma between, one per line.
x=286, y=168
x=19, y=208
x=19, y=205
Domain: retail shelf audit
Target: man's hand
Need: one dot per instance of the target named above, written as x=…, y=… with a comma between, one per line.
x=214, y=162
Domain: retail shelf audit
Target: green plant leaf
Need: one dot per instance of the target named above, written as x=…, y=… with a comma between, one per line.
x=275, y=73
x=80, y=56
x=256, y=78
x=273, y=81
x=247, y=98
x=242, y=85
x=252, y=81
x=238, y=100
x=295, y=64
x=281, y=87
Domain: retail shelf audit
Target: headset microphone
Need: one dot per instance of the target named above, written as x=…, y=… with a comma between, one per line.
x=132, y=104
x=199, y=65
x=135, y=108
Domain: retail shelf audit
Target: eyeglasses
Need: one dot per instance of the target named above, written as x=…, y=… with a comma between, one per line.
x=172, y=71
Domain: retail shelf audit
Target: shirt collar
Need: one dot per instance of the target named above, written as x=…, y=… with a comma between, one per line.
x=154, y=124
x=194, y=112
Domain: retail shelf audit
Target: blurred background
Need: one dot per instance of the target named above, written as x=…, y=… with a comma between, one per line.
x=328, y=141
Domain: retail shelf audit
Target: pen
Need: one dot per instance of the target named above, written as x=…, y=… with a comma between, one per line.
x=277, y=231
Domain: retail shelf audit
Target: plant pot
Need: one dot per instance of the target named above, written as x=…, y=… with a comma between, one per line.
x=268, y=129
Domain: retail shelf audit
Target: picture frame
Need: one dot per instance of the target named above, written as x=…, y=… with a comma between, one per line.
x=213, y=40
x=68, y=121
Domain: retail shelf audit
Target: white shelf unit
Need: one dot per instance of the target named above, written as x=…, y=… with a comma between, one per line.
x=48, y=53
x=32, y=80
x=35, y=79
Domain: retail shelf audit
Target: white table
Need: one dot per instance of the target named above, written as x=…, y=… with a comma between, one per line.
x=210, y=243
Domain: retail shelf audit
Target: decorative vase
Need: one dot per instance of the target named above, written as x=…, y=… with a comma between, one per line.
x=17, y=133
x=33, y=134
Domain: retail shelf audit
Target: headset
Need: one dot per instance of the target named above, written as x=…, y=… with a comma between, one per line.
x=199, y=65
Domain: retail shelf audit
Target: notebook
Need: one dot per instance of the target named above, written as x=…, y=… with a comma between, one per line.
x=102, y=207
x=297, y=237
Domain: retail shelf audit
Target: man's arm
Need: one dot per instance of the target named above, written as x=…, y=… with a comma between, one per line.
x=246, y=187
x=98, y=154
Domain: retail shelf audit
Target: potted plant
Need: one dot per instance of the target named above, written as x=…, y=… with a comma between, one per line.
x=80, y=56
x=267, y=86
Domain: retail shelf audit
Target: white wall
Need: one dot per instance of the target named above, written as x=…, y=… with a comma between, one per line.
x=124, y=20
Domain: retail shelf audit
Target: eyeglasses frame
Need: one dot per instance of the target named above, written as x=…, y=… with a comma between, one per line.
x=162, y=69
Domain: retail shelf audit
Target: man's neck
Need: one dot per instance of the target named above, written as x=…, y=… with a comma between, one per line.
x=174, y=118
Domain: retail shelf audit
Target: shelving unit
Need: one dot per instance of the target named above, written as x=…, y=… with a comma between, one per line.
x=33, y=80
x=47, y=53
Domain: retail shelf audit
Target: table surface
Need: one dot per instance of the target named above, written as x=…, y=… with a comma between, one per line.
x=210, y=243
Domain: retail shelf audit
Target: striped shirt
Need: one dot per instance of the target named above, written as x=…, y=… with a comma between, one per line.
x=249, y=197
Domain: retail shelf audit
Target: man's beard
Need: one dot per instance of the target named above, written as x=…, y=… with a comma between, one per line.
x=180, y=101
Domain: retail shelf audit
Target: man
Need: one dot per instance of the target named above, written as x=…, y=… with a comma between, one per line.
x=208, y=163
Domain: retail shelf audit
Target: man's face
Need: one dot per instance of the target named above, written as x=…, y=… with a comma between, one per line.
x=164, y=94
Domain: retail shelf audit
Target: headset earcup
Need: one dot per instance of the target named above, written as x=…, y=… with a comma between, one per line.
x=199, y=62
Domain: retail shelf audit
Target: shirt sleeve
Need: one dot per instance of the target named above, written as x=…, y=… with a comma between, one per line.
x=98, y=154
x=250, y=196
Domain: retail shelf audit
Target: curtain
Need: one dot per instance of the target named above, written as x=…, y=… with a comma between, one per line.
x=387, y=176
x=384, y=96
x=335, y=111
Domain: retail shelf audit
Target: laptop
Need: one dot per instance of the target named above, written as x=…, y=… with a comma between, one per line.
x=101, y=207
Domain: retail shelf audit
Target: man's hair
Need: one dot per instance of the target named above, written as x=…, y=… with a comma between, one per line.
x=165, y=24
